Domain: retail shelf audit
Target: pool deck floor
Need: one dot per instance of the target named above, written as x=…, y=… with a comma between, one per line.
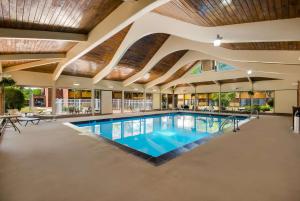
x=52, y=162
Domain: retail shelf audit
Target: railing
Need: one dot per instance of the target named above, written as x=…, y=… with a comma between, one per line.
x=76, y=106
x=234, y=120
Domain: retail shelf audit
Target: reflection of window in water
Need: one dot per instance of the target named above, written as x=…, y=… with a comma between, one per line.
x=201, y=124
x=127, y=128
x=116, y=130
x=149, y=125
x=97, y=128
x=136, y=127
x=164, y=123
x=185, y=122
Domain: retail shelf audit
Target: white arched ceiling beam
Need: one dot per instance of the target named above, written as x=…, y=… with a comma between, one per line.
x=286, y=71
x=120, y=18
x=189, y=57
x=231, y=74
x=247, y=56
x=154, y=23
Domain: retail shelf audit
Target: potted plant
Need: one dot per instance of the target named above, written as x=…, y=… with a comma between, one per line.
x=5, y=82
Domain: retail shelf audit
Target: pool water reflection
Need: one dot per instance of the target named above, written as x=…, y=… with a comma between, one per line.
x=156, y=135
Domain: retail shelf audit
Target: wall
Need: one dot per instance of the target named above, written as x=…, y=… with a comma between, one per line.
x=285, y=100
x=156, y=101
x=106, y=102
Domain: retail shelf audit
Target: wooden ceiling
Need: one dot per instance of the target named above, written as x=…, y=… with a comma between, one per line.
x=179, y=73
x=292, y=45
x=162, y=66
x=10, y=46
x=225, y=12
x=48, y=68
x=94, y=61
x=137, y=56
x=78, y=16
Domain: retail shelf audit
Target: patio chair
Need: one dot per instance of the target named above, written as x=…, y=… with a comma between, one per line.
x=33, y=120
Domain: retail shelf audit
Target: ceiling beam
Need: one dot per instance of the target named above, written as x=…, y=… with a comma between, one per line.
x=15, y=57
x=6, y=33
x=124, y=15
x=30, y=65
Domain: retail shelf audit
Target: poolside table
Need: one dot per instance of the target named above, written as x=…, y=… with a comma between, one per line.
x=8, y=119
x=33, y=120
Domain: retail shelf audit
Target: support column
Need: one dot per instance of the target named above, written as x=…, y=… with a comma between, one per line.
x=144, y=98
x=173, y=99
x=93, y=101
x=160, y=99
x=298, y=94
x=195, y=98
x=53, y=98
x=220, y=96
x=123, y=101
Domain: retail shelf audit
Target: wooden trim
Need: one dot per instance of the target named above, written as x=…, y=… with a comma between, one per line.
x=6, y=33
x=15, y=57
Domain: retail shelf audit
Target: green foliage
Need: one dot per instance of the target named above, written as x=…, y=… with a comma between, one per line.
x=270, y=102
x=250, y=93
x=6, y=82
x=14, y=98
x=265, y=108
x=226, y=98
x=196, y=70
x=37, y=92
x=28, y=91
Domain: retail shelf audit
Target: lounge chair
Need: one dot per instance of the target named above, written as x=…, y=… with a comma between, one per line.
x=33, y=120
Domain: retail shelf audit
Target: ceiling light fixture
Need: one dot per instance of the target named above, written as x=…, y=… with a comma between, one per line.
x=135, y=89
x=76, y=84
x=218, y=41
x=249, y=72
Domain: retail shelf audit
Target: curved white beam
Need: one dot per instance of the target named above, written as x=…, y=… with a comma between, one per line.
x=278, y=30
x=253, y=56
x=292, y=72
x=189, y=57
x=121, y=17
x=270, y=31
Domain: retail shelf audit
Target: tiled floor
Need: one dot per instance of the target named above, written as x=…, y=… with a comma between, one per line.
x=51, y=162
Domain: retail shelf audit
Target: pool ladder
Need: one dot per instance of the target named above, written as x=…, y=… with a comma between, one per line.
x=227, y=120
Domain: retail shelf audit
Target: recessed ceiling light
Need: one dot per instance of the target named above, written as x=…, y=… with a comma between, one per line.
x=249, y=72
x=111, y=87
x=154, y=90
x=76, y=84
x=226, y=2
x=135, y=89
x=218, y=41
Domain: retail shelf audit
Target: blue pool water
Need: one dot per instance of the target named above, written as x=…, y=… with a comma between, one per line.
x=156, y=135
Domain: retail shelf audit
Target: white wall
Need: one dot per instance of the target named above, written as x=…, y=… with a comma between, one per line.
x=156, y=101
x=106, y=102
x=285, y=100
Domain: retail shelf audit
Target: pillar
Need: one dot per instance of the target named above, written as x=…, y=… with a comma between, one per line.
x=298, y=94
x=93, y=101
x=160, y=99
x=195, y=98
x=53, y=97
x=123, y=101
x=173, y=99
x=144, y=98
x=220, y=96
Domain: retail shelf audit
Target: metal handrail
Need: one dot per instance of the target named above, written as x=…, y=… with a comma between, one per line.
x=234, y=120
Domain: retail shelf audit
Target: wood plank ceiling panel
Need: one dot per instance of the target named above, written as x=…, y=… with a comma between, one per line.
x=137, y=56
x=6, y=64
x=78, y=16
x=48, y=68
x=162, y=66
x=94, y=61
x=290, y=45
x=225, y=12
